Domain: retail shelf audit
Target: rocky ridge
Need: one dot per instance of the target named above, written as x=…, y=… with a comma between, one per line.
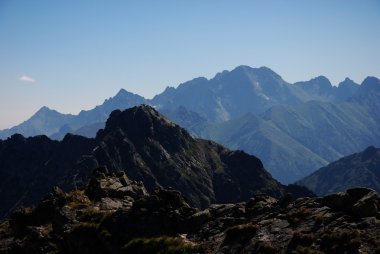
x=116, y=215
x=147, y=147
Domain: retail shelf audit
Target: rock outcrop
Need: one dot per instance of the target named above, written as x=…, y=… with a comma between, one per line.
x=83, y=221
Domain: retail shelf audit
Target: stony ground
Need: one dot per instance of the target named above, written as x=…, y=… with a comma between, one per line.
x=116, y=215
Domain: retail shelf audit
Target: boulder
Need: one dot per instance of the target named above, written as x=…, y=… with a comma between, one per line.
x=367, y=206
x=338, y=201
x=102, y=186
x=358, y=192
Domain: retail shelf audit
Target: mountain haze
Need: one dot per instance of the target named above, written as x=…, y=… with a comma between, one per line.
x=52, y=123
x=294, y=128
x=229, y=95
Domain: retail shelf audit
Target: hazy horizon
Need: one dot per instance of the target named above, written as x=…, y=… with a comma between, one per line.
x=72, y=55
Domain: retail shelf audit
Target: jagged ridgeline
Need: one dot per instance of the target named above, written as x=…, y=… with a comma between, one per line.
x=114, y=214
x=293, y=128
x=147, y=147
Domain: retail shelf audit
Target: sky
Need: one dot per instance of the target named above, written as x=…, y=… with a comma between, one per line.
x=72, y=55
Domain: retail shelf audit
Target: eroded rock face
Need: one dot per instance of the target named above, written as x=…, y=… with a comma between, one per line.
x=107, y=217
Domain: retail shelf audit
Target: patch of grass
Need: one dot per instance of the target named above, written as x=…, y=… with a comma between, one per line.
x=93, y=216
x=87, y=226
x=301, y=239
x=341, y=241
x=76, y=198
x=240, y=233
x=161, y=245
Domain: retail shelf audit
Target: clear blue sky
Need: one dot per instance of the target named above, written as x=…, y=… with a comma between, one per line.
x=79, y=53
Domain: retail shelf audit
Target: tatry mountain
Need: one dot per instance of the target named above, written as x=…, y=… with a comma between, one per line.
x=229, y=95
x=359, y=169
x=294, y=128
x=147, y=147
x=52, y=123
x=294, y=141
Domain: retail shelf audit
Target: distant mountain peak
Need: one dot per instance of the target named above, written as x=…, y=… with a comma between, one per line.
x=348, y=79
x=262, y=69
x=322, y=80
x=347, y=82
x=123, y=93
x=371, y=82
x=44, y=109
x=44, y=112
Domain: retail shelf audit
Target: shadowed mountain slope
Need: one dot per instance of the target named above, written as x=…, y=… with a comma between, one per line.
x=143, y=144
x=359, y=169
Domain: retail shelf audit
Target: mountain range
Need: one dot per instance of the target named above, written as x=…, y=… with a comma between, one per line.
x=293, y=141
x=147, y=147
x=294, y=128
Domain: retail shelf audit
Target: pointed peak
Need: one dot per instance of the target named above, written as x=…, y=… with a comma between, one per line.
x=44, y=109
x=371, y=81
x=122, y=92
x=347, y=79
x=347, y=82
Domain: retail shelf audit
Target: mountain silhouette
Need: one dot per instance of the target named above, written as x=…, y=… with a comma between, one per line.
x=147, y=147
x=359, y=169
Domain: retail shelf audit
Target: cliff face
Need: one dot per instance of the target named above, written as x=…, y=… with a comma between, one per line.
x=114, y=214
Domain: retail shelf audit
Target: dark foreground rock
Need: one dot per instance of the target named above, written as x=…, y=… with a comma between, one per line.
x=116, y=215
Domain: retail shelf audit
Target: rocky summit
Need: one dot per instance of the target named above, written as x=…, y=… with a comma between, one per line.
x=114, y=214
x=144, y=145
